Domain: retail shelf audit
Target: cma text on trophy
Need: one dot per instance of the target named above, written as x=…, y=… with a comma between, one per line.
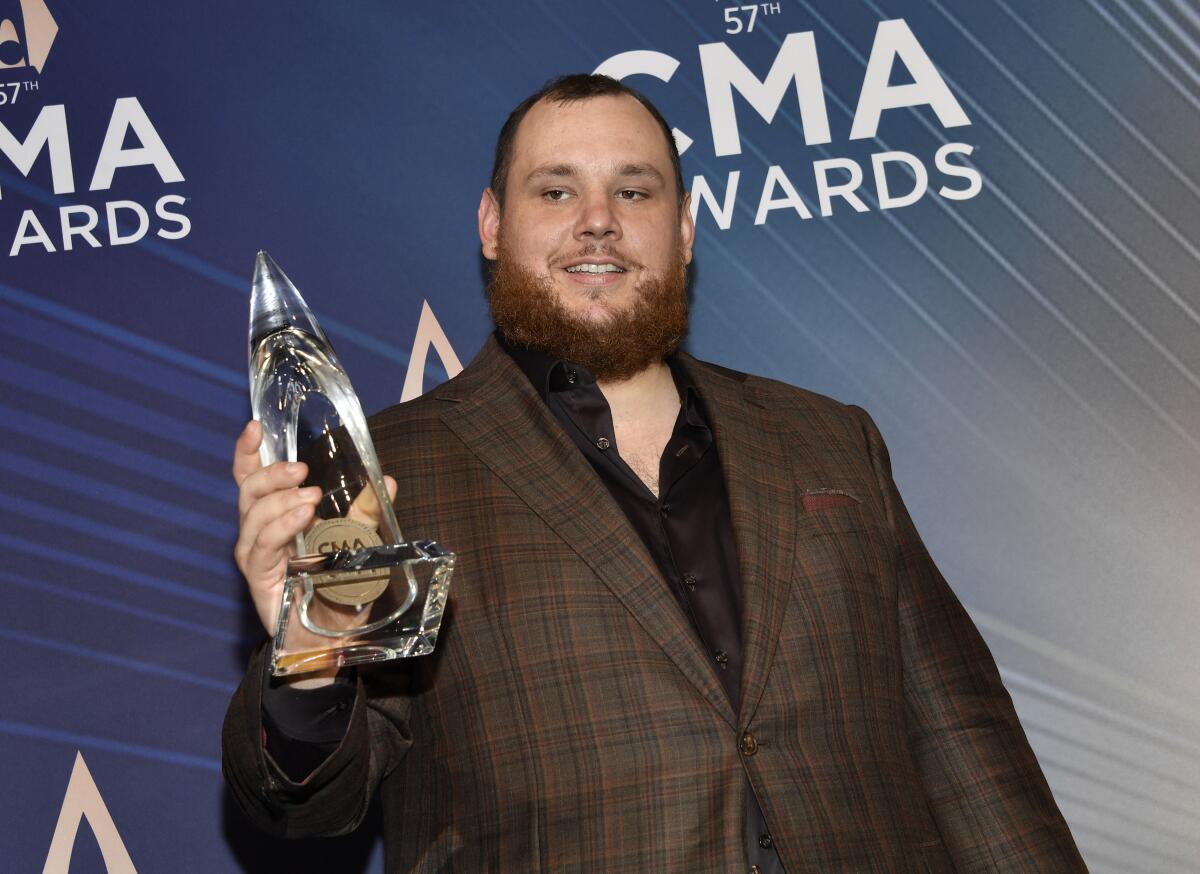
x=356, y=590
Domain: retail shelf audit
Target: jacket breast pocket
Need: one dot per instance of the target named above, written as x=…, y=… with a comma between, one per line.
x=847, y=546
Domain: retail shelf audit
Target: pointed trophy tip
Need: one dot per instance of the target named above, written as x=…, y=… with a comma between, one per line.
x=275, y=302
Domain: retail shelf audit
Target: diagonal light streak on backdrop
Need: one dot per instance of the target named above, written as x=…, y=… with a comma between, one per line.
x=1019, y=277
x=115, y=454
x=1130, y=762
x=91, y=491
x=132, y=664
x=1131, y=725
x=1119, y=117
x=118, y=335
x=1146, y=828
x=74, y=593
x=1052, y=764
x=98, y=355
x=1133, y=860
x=92, y=566
x=1159, y=42
x=1187, y=12
x=1173, y=26
x=107, y=745
x=117, y=410
x=1115, y=177
x=60, y=518
x=1009, y=268
x=1146, y=56
x=1133, y=760
x=1186, y=865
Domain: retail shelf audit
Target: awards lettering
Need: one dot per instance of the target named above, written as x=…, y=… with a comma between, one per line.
x=356, y=590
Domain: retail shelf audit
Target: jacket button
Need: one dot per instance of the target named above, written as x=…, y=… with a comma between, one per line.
x=764, y=841
x=748, y=745
x=689, y=580
x=721, y=658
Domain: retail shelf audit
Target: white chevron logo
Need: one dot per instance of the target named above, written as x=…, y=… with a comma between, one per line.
x=83, y=801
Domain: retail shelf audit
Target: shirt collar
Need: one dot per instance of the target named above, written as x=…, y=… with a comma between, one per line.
x=548, y=375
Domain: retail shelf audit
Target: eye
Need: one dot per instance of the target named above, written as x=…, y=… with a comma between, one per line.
x=555, y=195
x=631, y=194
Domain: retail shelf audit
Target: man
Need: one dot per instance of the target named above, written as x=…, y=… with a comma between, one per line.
x=692, y=627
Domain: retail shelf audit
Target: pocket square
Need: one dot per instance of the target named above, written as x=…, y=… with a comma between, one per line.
x=827, y=499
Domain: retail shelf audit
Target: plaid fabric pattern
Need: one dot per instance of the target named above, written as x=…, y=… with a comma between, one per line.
x=569, y=719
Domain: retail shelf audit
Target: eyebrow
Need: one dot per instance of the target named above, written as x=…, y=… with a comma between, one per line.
x=558, y=171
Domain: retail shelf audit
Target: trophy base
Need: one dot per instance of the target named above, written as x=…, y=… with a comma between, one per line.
x=360, y=606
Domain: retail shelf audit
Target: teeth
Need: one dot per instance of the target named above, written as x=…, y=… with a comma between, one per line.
x=595, y=268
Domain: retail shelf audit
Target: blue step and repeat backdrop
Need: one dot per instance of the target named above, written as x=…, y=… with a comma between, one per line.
x=978, y=220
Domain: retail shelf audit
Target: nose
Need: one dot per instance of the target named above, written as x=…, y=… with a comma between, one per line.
x=597, y=220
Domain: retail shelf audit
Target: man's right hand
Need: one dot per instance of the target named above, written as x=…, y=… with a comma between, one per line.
x=272, y=510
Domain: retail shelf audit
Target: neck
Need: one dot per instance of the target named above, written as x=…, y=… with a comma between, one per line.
x=647, y=389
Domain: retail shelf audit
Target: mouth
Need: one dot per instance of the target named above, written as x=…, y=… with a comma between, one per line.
x=594, y=268
x=595, y=271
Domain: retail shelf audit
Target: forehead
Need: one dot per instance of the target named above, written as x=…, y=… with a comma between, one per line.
x=598, y=131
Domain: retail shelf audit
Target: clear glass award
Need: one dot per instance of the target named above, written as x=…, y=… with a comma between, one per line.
x=356, y=590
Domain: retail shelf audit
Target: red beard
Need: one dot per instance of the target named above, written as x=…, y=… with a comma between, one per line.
x=528, y=314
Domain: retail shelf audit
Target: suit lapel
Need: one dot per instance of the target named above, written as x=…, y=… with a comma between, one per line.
x=762, y=501
x=501, y=419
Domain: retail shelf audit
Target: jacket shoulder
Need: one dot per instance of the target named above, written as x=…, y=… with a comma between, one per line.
x=780, y=396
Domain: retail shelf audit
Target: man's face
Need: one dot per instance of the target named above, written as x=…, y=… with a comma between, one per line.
x=591, y=215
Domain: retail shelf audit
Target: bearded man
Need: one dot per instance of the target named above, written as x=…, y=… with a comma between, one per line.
x=692, y=627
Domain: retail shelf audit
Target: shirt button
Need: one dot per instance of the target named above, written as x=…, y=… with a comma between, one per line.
x=689, y=580
x=764, y=841
x=721, y=658
x=572, y=376
x=603, y=443
x=748, y=745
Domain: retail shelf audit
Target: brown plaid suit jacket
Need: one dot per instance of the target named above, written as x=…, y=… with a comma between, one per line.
x=569, y=720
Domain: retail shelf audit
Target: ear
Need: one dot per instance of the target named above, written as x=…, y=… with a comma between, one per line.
x=687, y=227
x=489, y=224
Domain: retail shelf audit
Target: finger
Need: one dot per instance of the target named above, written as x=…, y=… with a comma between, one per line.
x=268, y=480
x=262, y=551
x=365, y=508
x=274, y=506
x=246, y=459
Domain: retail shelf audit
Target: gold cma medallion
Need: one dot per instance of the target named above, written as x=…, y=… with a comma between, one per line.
x=331, y=535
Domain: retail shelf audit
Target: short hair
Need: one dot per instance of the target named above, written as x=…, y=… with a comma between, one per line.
x=570, y=89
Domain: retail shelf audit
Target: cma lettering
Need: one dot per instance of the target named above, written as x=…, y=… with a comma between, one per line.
x=330, y=546
x=796, y=63
x=49, y=134
x=130, y=140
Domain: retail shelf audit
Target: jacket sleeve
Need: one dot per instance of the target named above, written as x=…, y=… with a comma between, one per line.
x=335, y=797
x=985, y=788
